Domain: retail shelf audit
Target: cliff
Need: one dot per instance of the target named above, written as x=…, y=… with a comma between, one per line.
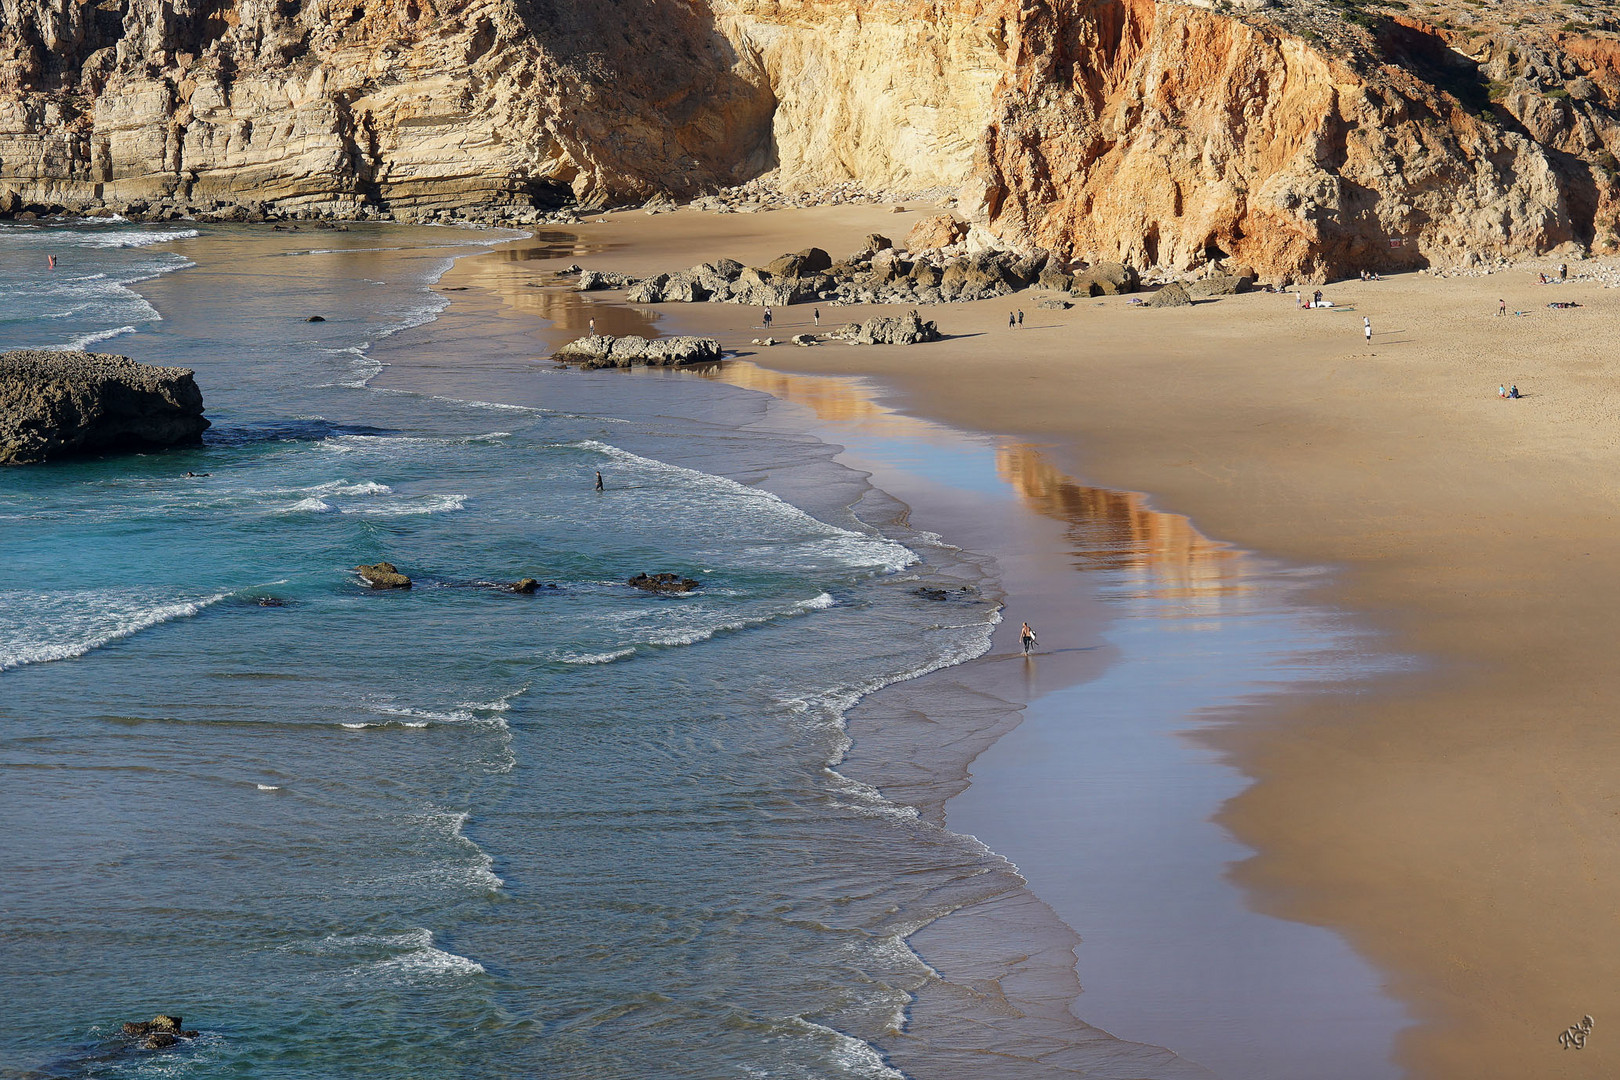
x=1296, y=138
x=61, y=404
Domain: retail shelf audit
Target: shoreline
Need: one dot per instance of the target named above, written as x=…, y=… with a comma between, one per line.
x=504, y=281
x=1454, y=821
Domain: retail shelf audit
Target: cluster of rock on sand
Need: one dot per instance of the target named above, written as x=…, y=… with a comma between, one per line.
x=935, y=266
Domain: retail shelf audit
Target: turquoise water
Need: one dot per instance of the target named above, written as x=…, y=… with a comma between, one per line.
x=453, y=831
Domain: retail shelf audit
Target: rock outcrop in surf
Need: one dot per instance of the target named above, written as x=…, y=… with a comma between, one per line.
x=65, y=404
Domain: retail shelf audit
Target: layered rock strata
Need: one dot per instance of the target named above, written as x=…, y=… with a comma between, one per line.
x=1296, y=139
x=62, y=404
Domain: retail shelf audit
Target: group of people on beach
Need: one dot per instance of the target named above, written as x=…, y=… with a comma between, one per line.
x=1015, y=319
x=1508, y=391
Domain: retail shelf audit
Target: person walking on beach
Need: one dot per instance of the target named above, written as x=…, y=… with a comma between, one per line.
x=1501, y=307
x=1020, y=318
x=767, y=318
x=1012, y=320
x=1026, y=637
x=816, y=315
x=598, y=479
x=593, y=328
x=1366, y=326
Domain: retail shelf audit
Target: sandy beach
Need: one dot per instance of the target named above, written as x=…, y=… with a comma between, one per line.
x=1455, y=821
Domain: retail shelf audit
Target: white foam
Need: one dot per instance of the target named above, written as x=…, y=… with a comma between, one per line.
x=310, y=505
x=268, y=787
x=422, y=504
x=594, y=658
x=37, y=628
x=131, y=238
x=854, y=1057
x=821, y=541
x=416, y=954
x=84, y=341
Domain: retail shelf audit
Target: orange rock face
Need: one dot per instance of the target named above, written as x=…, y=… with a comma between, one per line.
x=1154, y=133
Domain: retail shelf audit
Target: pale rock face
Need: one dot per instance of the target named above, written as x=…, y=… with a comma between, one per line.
x=1156, y=133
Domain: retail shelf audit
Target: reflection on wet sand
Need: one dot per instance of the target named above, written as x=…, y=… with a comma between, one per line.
x=530, y=292
x=1155, y=553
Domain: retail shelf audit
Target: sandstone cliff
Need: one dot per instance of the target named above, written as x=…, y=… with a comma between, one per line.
x=60, y=404
x=1296, y=138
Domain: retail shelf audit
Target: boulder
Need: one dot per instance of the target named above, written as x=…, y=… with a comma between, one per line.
x=876, y=242
x=383, y=575
x=526, y=586
x=1171, y=295
x=603, y=279
x=1219, y=285
x=601, y=351
x=1055, y=278
x=1052, y=303
x=907, y=329
x=664, y=583
x=1105, y=279
x=316, y=318
x=648, y=290
x=941, y=230
x=805, y=339
x=60, y=404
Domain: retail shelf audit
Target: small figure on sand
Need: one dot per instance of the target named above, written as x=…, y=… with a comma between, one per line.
x=1020, y=318
x=598, y=479
x=1366, y=326
x=1501, y=391
x=1012, y=320
x=1026, y=637
x=816, y=315
x=593, y=328
x=1513, y=391
x=767, y=316
x=1501, y=307
x=1563, y=271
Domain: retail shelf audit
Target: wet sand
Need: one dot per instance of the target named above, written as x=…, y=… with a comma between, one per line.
x=1455, y=822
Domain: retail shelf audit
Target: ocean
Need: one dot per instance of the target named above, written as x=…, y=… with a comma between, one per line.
x=455, y=831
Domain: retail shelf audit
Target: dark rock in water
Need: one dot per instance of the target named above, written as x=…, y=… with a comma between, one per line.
x=383, y=575
x=664, y=583
x=160, y=1032
x=601, y=350
x=1172, y=295
x=927, y=592
x=526, y=586
x=59, y=404
x=316, y=318
x=907, y=329
x=930, y=594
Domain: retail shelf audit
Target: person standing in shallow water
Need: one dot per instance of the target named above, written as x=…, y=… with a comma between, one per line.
x=1026, y=638
x=598, y=479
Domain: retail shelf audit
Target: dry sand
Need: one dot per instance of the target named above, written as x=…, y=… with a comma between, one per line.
x=1458, y=824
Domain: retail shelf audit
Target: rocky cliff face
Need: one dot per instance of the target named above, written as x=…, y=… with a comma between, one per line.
x=1162, y=134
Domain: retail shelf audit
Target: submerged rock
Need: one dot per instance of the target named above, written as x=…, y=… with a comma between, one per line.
x=61, y=404
x=383, y=575
x=664, y=583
